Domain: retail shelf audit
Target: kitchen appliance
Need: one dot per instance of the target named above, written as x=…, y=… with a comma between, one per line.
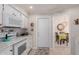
x=20, y=47
x=22, y=32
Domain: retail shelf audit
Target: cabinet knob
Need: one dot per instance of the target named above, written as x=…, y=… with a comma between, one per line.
x=11, y=50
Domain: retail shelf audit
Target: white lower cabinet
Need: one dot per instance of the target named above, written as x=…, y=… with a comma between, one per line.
x=7, y=51
x=13, y=49
x=29, y=44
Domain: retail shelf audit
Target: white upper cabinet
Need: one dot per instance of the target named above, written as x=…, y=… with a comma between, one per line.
x=1, y=7
x=25, y=21
x=11, y=17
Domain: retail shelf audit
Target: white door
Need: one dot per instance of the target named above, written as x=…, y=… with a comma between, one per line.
x=43, y=32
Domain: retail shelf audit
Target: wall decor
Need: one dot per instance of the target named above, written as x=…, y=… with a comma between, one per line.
x=32, y=24
x=77, y=21
x=32, y=29
x=60, y=27
x=62, y=38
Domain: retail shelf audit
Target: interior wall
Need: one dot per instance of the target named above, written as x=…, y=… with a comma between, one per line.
x=61, y=18
x=70, y=15
x=58, y=18
x=32, y=19
x=74, y=30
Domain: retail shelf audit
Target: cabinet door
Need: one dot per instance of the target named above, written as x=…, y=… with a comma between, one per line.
x=25, y=22
x=7, y=51
x=22, y=17
x=29, y=43
x=1, y=7
x=20, y=20
x=7, y=12
x=11, y=17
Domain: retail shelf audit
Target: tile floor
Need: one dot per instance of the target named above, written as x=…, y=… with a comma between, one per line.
x=40, y=51
x=58, y=50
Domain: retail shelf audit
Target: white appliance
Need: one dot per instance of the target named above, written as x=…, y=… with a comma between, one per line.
x=20, y=48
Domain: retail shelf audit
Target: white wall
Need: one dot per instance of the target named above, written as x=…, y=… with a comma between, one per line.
x=74, y=30
x=32, y=19
x=60, y=18
x=57, y=18
x=70, y=15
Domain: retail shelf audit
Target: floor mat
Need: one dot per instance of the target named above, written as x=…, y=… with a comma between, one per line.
x=40, y=51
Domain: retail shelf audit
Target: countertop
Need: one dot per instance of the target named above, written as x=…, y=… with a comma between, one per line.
x=4, y=45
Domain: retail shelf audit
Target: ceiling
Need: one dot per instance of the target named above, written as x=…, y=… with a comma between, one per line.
x=45, y=8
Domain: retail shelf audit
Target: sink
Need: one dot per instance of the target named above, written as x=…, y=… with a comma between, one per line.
x=6, y=40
